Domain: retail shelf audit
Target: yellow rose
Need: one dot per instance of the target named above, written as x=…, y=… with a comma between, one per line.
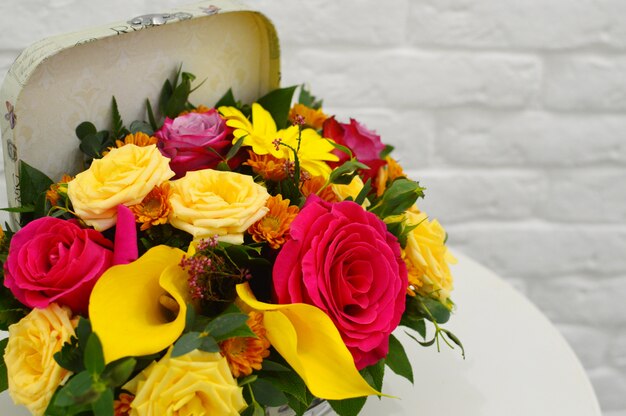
x=31, y=370
x=197, y=383
x=124, y=176
x=208, y=202
x=427, y=257
x=350, y=190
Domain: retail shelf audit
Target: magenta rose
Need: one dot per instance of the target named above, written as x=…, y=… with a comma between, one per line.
x=365, y=144
x=343, y=260
x=54, y=260
x=194, y=141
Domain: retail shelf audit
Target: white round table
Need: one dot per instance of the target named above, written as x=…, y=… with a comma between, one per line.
x=517, y=363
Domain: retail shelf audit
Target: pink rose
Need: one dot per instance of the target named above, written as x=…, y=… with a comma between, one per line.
x=54, y=260
x=343, y=260
x=194, y=141
x=365, y=144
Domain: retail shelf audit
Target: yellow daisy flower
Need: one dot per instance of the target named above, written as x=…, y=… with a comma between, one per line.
x=262, y=134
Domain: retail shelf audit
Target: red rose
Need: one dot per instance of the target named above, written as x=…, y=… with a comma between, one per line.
x=343, y=260
x=54, y=260
x=365, y=144
x=194, y=141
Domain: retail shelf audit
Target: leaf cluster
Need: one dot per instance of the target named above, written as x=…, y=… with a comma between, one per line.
x=33, y=185
x=174, y=97
x=276, y=384
x=420, y=309
x=92, y=388
x=204, y=334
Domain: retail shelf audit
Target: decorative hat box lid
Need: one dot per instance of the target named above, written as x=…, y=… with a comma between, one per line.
x=61, y=81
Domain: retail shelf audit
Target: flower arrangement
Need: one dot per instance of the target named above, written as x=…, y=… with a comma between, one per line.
x=219, y=261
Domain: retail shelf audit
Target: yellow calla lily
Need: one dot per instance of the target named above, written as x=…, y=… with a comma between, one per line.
x=309, y=341
x=124, y=306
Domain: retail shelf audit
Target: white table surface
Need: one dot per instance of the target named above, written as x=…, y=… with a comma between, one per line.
x=517, y=363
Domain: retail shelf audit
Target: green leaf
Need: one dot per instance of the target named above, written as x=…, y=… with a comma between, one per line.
x=386, y=151
x=179, y=97
x=278, y=103
x=76, y=391
x=454, y=339
x=247, y=380
x=348, y=407
x=91, y=145
x=83, y=330
x=151, y=117
x=187, y=343
x=228, y=326
x=342, y=148
x=228, y=100
x=11, y=311
x=209, y=344
x=345, y=173
x=298, y=406
x=245, y=256
x=399, y=227
x=141, y=126
x=422, y=343
x=117, y=124
x=267, y=394
x=351, y=407
x=400, y=196
x=70, y=356
x=223, y=167
x=254, y=409
x=118, y=372
x=33, y=183
x=190, y=317
x=374, y=374
x=94, y=357
x=289, y=382
x=104, y=405
x=415, y=323
x=438, y=312
x=164, y=97
x=233, y=150
x=367, y=187
x=273, y=366
x=306, y=98
x=4, y=383
x=84, y=129
x=423, y=307
x=397, y=359
x=22, y=209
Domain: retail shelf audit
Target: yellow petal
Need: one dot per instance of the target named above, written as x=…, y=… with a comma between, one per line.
x=309, y=341
x=124, y=306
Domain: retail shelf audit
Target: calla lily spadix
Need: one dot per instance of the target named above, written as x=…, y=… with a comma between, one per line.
x=124, y=305
x=309, y=341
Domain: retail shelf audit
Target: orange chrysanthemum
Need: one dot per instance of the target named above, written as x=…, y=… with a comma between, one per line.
x=199, y=109
x=154, y=208
x=269, y=167
x=312, y=118
x=274, y=226
x=54, y=193
x=387, y=174
x=247, y=354
x=315, y=185
x=121, y=407
x=138, y=139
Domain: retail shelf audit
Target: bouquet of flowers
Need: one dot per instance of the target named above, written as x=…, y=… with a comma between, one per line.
x=219, y=260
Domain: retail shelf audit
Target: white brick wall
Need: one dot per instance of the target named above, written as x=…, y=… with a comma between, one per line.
x=512, y=114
